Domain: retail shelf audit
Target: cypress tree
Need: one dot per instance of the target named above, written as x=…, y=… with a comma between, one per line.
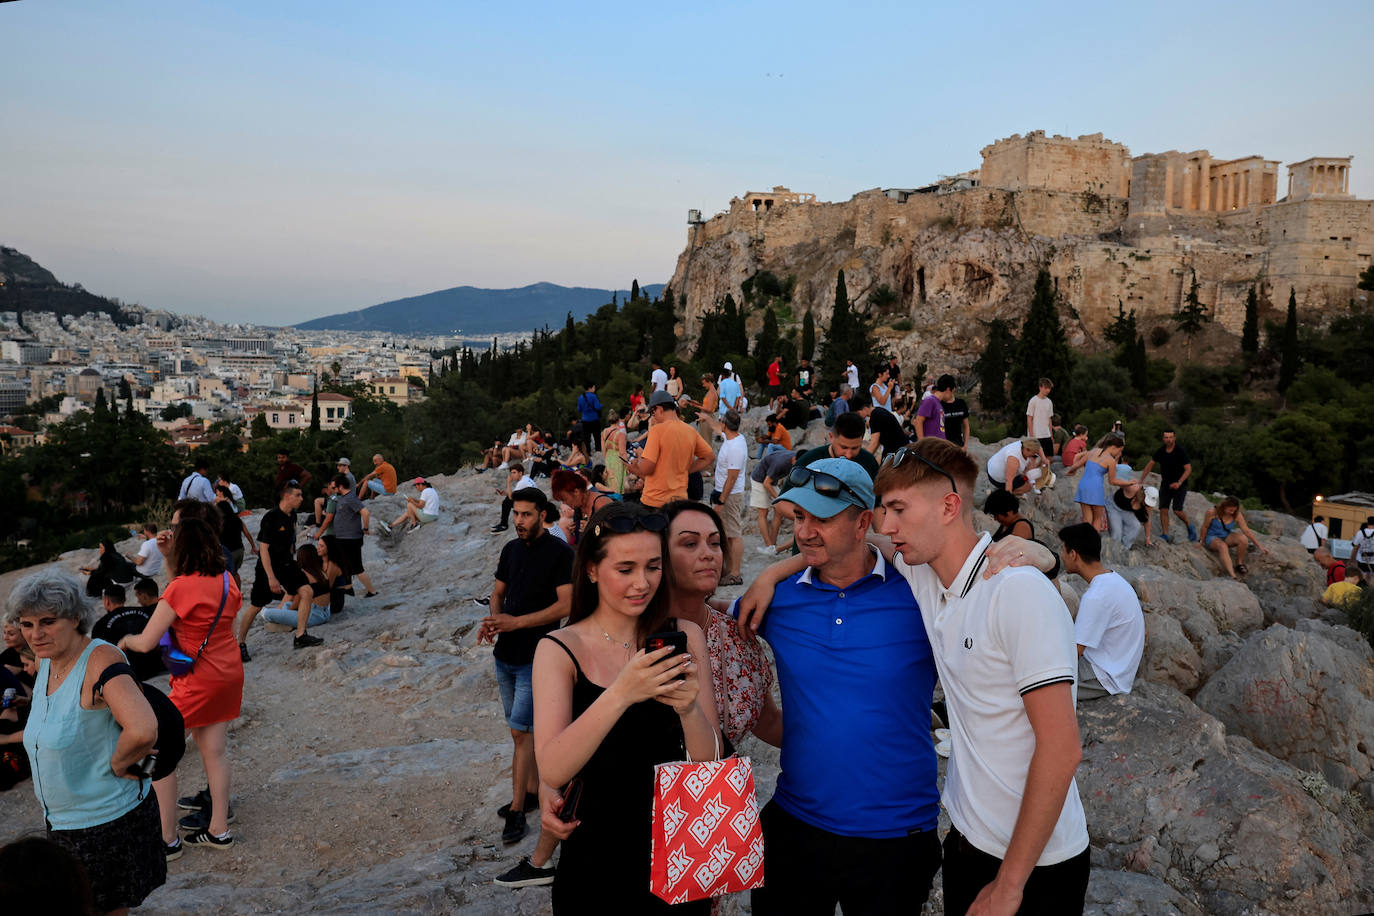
x=1139, y=365
x=808, y=339
x=991, y=367
x=634, y=289
x=1191, y=315
x=100, y=405
x=315, y=408
x=766, y=345
x=1288, y=348
x=1249, y=335
x=1042, y=350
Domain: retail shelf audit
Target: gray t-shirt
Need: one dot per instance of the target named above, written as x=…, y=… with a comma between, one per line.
x=775, y=464
x=348, y=517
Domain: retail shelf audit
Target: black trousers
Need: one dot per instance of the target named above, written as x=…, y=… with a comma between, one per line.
x=591, y=433
x=507, y=504
x=1052, y=890
x=808, y=870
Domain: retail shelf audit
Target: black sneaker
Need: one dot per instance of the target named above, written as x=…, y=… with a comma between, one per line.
x=484, y=601
x=208, y=839
x=243, y=652
x=516, y=828
x=194, y=802
x=504, y=810
x=305, y=641
x=498, y=528
x=174, y=850
x=201, y=819
x=526, y=875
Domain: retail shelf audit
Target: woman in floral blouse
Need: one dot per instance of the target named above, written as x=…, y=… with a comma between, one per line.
x=740, y=671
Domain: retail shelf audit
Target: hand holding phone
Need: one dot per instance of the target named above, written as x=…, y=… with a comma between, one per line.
x=572, y=796
x=675, y=638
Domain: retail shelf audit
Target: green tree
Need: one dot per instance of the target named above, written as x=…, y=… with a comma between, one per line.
x=1301, y=452
x=1042, y=348
x=100, y=405
x=766, y=344
x=1289, y=358
x=175, y=412
x=1249, y=335
x=1366, y=278
x=1192, y=315
x=315, y=408
x=259, y=428
x=848, y=337
x=808, y=336
x=634, y=289
x=991, y=366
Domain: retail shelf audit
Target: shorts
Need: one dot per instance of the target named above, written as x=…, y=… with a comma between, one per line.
x=376, y=486
x=347, y=552
x=1047, y=444
x=729, y=509
x=1017, y=482
x=758, y=496
x=426, y=518
x=515, y=683
x=290, y=578
x=1172, y=499
x=236, y=560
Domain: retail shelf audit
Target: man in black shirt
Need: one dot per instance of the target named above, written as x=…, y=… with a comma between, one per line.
x=886, y=428
x=277, y=573
x=233, y=529
x=956, y=421
x=1174, y=471
x=532, y=593
x=120, y=621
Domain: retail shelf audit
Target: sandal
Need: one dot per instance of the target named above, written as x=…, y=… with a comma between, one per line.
x=731, y=580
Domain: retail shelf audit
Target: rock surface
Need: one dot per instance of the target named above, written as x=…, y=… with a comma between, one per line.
x=367, y=771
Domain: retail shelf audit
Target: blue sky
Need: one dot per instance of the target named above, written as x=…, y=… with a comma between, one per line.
x=277, y=161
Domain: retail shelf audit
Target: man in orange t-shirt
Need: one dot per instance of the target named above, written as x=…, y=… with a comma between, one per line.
x=381, y=480
x=672, y=451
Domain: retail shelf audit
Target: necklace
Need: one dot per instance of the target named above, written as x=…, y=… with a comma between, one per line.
x=623, y=645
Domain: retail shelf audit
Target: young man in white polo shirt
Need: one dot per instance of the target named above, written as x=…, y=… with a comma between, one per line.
x=1004, y=649
x=1110, y=626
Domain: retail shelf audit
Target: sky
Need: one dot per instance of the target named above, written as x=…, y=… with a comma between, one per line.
x=271, y=162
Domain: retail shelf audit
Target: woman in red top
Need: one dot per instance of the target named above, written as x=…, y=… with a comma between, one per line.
x=211, y=695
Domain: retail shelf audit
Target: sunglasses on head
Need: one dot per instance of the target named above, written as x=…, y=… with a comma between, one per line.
x=897, y=457
x=823, y=483
x=624, y=524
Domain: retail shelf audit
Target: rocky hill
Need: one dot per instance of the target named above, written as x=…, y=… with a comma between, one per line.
x=1235, y=779
x=473, y=310
x=26, y=286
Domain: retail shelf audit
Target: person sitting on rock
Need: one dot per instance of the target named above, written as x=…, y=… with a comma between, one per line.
x=1223, y=527
x=421, y=509
x=1110, y=626
x=316, y=601
x=1334, y=569
x=1005, y=510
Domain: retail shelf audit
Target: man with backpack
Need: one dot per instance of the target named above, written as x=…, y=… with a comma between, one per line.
x=1362, y=546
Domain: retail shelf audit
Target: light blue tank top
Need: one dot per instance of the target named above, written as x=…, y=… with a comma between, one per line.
x=70, y=750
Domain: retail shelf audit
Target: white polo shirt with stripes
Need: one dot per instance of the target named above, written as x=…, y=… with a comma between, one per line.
x=994, y=641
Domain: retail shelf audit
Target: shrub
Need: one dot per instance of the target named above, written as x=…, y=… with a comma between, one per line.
x=1159, y=374
x=902, y=325
x=1159, y=335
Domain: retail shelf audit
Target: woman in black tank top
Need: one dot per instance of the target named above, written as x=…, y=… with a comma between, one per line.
x=606, y=712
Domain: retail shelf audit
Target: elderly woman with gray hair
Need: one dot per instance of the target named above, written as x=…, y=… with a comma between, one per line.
x=85, y=741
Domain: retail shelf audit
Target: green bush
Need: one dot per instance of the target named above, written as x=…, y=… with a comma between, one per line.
x=1361, y=614
x=1159, y=374
x=902, y=325
x=1099, y=383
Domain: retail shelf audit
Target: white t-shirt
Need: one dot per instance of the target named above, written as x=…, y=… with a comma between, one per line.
x=659, y=380
x=1040, y=410
x=517, y=439
x=1362, y=545
x=995, y=640
x=1111, y=629
x=734, y=453
x=525, y=481
x=152, y=558
x=1313, y=535
x=236, y=492
x=997, y=464
x=431, y=501
x=851, y=376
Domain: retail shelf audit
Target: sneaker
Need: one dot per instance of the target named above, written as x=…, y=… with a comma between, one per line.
x=205, y=838
x=173, y=850
x=943, y=742
x=731, y=580
x=768, y=551
x=516, y=827
x=305, y=641
x=502, y=466
x=371, y=595
x=484, y=601
x=503, y=811
x=201, y=819
x=1166, y=538
x=498, y=528
x=243, y=652
x=1192, y=532
x=384, y=526
x=525, y=874
x=194, y=802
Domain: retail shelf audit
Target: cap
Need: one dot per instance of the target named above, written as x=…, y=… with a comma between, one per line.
x=858, y=489
x=729, y=365
x=342, y=461
x=661, y=398
x=1152, y=497
x=419, y=481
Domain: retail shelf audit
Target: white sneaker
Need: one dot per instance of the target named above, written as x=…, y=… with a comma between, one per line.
x=384, y=526
x=502, y=466
x=768, y=551
x=943, y=742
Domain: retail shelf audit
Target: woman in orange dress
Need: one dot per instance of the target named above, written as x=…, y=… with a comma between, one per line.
x=199, y=607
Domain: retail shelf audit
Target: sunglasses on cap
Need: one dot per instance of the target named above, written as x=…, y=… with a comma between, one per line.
x=896, y=458
x=823, y=483
x=624, y=524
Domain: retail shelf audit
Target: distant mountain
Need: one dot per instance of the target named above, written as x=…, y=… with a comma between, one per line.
x=26, y=286
x=475, y=311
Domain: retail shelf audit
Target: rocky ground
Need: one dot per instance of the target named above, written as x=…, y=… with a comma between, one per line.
x=1235, y=779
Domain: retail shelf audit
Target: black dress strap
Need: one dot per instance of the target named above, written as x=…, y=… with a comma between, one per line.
x=558, y=642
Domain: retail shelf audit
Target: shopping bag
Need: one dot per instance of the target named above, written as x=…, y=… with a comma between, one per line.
x=706, y=835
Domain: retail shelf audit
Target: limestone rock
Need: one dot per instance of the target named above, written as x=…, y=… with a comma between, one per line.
x=1168, y=794
x=1169, y=658
x=1304, y=697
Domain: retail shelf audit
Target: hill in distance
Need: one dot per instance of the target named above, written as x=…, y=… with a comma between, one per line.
x=475, y=311
x=27, y=286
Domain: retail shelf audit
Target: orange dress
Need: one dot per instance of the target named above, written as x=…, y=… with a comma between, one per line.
x=213, y=691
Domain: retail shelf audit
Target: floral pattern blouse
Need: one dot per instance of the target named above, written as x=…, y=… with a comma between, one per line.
x=740, y=674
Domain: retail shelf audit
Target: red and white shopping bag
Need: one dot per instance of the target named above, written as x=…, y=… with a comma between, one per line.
x=707, y=840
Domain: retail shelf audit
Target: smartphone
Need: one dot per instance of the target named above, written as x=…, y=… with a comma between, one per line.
x=675, y=638
x=144, y=767
x=572, y=795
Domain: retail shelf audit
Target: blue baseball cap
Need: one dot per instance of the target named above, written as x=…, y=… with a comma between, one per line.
x=856, y=487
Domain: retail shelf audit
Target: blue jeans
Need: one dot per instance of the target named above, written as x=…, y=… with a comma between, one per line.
x=517, y=694
x=376, y=486
x=275, y=613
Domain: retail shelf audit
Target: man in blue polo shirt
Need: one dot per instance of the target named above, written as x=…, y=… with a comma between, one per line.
x=853, y=818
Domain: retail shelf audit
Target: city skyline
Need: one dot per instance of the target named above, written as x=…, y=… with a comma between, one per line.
x=267, y=164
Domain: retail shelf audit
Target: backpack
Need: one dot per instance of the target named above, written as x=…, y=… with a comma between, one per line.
x=1366, y=545
x=171, y=727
